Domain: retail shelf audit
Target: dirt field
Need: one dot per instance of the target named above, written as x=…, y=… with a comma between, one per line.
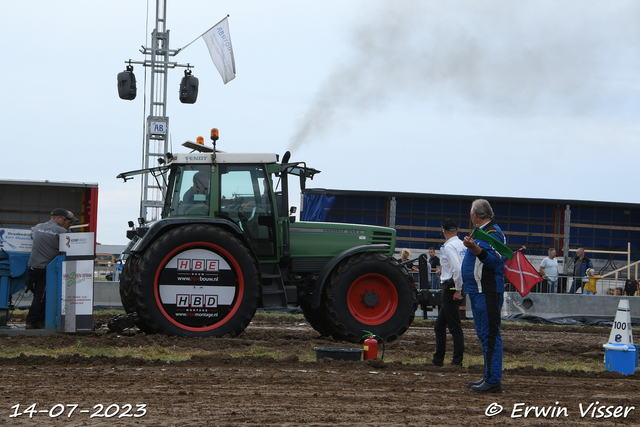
x=217, y=389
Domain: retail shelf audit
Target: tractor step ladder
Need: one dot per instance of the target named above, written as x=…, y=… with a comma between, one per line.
x=274, y=293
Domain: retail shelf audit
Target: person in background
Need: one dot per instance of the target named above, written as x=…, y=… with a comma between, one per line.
x=483, y=279
x=630, y=287
x=549, y=270
x=406, y=253
x=452, y=253
x=580, y=266
x=434, y=261
x=590, y=282
x=45, y=248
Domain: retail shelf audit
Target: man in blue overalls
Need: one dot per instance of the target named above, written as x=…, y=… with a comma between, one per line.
x=483, y=279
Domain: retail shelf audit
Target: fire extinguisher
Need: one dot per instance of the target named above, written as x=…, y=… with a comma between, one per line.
x=371, y=346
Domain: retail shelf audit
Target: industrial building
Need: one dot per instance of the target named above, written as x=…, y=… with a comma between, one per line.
x=609, y=232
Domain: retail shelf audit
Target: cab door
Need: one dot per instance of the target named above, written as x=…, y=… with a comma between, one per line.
x=245, y=198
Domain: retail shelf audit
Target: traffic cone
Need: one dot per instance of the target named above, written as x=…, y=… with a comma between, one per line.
x=620, y=354
x=621, y=332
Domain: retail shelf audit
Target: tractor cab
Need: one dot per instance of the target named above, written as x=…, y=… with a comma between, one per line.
x=236, y=187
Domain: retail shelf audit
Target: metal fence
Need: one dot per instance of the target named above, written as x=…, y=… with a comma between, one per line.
x=604, y=286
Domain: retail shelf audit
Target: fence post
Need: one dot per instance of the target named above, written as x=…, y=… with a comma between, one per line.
x=629, y=260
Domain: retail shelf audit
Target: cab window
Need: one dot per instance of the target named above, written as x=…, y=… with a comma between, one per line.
x=191, y=191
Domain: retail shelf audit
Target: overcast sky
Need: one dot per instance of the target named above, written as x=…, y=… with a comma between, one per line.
x=495, y=98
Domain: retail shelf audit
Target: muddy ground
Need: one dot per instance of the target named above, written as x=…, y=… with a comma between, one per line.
x=220, y=389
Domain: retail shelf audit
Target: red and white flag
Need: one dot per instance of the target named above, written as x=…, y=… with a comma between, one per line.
x=522, y=275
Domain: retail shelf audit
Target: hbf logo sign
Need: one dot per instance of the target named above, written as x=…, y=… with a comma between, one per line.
x=197, y=265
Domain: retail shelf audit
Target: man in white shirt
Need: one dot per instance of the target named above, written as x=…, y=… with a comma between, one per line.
x=451, y=255
x=549, y=270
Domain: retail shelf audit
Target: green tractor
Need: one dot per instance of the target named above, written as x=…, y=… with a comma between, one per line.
x=227, y=244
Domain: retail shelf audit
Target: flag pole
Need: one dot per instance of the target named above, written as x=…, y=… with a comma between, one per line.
x=189, y=44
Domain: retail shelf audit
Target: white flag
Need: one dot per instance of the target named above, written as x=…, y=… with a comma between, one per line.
x=219, y=44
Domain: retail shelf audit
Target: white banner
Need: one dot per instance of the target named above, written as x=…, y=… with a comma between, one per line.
x=77, y=243
x=219, y=43
x=77, y=288
x=15, y=240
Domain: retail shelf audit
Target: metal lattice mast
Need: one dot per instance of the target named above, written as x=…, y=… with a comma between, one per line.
x=157, y=126
x=156, y=143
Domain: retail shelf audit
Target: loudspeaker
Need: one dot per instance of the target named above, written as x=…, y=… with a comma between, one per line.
x=188, y=88
x=127, y=84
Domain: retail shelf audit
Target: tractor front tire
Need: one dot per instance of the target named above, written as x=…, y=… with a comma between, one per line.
x=127, y=278
x=197, y=281
x=370, y=292
x=126, y=284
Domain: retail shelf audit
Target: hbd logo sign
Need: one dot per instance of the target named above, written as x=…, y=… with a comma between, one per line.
x=197, y=265
x=196, y=301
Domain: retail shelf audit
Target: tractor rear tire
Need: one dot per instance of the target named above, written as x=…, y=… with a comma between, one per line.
x=370, y=292
x=197, y=281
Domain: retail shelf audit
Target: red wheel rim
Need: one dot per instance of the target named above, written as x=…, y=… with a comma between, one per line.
x=366, y=288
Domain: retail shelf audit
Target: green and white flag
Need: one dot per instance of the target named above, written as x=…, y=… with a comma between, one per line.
x=497, y=244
